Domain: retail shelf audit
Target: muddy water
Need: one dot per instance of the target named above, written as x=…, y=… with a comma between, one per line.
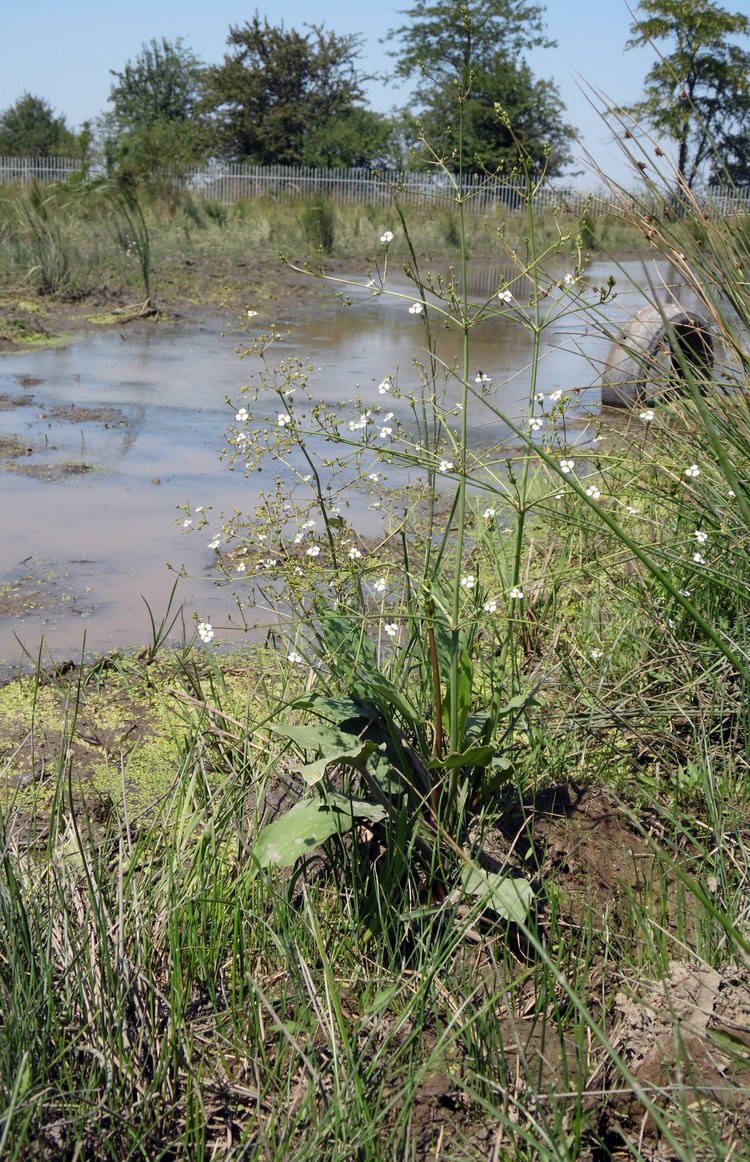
x=103, y=441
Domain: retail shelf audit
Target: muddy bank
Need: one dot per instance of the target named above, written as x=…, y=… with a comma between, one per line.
x=31, y=321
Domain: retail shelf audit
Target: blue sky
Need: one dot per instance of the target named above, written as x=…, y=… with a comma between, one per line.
x=64, y=52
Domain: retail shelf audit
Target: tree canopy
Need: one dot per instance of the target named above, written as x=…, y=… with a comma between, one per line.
x=473, y=76
x=161, y=84
x=698, y=91
x=29, y=127
x=154, y=110
x=278, y=91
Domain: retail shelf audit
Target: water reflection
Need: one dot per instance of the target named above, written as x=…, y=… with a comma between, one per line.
x=94, y=544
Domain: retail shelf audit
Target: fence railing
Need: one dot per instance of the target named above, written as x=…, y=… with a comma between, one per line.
x=230, y=183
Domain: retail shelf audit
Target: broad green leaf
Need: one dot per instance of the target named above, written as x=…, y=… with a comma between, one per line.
x=519, y=702
x=509, y=898
x=388, y=777
x=475, y=756
x=337, y=746
x=313, y=772
x=376, y=688
x=478, y=727
x=338, y=710
x=347, y=640
x=308, y=824
x=319, y=737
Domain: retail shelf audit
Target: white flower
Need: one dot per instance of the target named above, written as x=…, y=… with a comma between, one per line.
x=386, y=237
x=205, y=631
x=214, y=544
x=700, y=536
x=483, y=380
x=469, y=581
x=251, y=314
x=445, y=466
x=488, y=513
x=199, y=508
x=731, y=492
x=391, y=628
x=685, y=592
x=308, y=524
x=535, y=423
x=385, y=432
x=646, y=416
x=693, y=470
x=490, y=606
x=385, y=386
x=567, y=466
x=593, y=492
x=354, y=554
x=284, y=420
x=699, y=558
x=361, y=423
x=505, y=296
x=516, y=594
x=539, y=396
x=380, y=585
x=242, y=416
x=295, y=658
x=241, y=567
x=597, y=653
x=313, y=551
x=416, y=308
x=555, y=395
x=632, y=511
x=568, y=279
x=186, y=524
x=374, y=476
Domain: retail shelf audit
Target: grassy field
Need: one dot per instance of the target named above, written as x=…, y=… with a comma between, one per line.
x=102, y=245
x=455, y=864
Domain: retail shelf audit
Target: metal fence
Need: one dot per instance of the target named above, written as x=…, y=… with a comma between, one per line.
x=230, y=183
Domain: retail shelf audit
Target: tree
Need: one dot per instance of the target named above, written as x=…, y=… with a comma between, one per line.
x=277, y=91
x=30, y=128
x=507, y=113
x=697, y=94
x=154, y=117
x=468, y=56
x=161, y=85
x=357, y=139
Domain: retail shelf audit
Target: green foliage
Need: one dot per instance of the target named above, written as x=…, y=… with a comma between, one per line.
x=698, y=92
x=433, y=43
x=161, y=85
x=154, y=120
x=319, y=225
x=357, y=138
x=467, y=55
x=507, y=115
x=277, y=90
x=30, y=128
x=43, y=242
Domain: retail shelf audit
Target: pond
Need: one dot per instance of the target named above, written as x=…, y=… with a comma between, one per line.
x=103, y=441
